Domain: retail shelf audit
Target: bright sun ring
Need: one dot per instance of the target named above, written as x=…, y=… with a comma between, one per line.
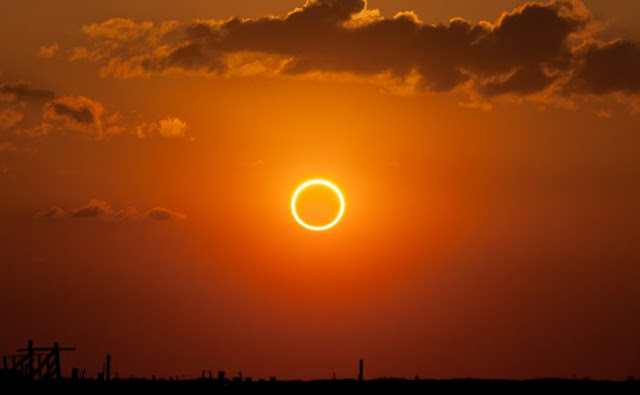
x=309, y=183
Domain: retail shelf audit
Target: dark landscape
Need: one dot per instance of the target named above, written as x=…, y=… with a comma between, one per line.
x=383, y=386
x=39, y=369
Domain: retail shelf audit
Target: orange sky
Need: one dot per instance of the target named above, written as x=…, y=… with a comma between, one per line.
x=491, y=179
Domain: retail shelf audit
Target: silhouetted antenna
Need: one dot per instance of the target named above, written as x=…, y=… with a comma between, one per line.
x=360, y=370
x=107, y=374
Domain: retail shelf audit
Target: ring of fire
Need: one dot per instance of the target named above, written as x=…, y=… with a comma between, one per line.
x=324, y=183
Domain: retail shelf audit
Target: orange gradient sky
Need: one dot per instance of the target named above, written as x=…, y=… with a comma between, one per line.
x=149, y=151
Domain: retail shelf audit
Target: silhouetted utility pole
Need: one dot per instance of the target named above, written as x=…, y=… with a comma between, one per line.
x=28, y=367
x=360, y=370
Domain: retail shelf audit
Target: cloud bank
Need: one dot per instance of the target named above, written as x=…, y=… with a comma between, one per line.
x=547, y=49
x=102, y=210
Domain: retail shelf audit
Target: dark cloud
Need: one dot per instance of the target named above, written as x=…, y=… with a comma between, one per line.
x=22, y=91
x=534, y=48
x=523, y=81
x=81, y=115
x=38, y=112
x=94, y=209
x=21, y=107
x=127, y=214
x=53, y=212
x=102, y=210
x=607, y=67
x=163, y=214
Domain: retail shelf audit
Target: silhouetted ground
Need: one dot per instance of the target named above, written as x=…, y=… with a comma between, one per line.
x=382, y=386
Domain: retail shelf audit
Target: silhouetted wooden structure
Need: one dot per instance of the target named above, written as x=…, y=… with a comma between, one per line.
x=42, y=363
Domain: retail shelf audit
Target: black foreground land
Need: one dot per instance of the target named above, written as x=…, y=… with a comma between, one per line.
x=383, y=386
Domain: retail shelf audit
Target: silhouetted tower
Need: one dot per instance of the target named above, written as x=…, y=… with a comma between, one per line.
x=221, y=375
x=360, y=370
x=107, y=373
x=47, y=365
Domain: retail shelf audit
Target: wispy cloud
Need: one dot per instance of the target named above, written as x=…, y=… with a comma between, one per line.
x=170, y=127
x=38, y=112
x=48, y=51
